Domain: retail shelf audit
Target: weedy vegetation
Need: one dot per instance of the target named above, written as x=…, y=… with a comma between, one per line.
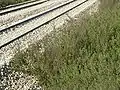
x=83, y=56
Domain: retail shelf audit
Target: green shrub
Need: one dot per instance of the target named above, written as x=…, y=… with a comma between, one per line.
x=83, y=56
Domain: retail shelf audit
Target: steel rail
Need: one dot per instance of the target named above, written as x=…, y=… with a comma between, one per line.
x=7, y=43
x=19, y=4
x=22, y=7
x=33, y=17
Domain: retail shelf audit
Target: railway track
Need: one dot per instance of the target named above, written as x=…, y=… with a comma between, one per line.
x=7, y=18
x=21, y=28
x=21, y=6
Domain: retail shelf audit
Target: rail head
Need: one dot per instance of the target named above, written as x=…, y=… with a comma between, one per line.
x=7, y=43
x=23, y=6
x=33, y=17
x=19, y=4
x=15, y=5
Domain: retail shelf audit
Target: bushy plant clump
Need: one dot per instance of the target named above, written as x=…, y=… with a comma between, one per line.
x=84, y=56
